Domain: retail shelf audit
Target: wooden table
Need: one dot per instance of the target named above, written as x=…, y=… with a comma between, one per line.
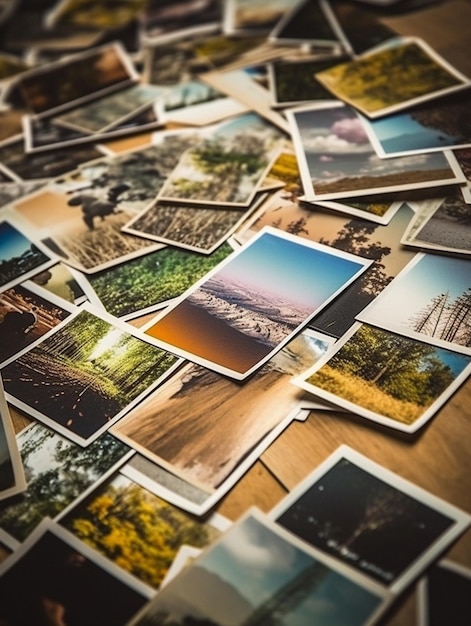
x=438, y=458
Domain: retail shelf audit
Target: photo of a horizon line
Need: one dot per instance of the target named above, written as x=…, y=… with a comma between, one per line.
x=256, y=301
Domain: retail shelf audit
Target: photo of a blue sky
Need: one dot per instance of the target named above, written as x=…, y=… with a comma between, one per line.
x=249, y=566
x=427, y=278
x=432, y=126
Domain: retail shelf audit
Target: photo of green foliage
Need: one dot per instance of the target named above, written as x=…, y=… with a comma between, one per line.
x=58, y=472
x=152, y=279
x=389, y=374
x=85, y=374
x=137, y=530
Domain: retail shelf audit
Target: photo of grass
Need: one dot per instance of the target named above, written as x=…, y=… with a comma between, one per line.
x=139, y=532
x=150, y=281
x=201, y=425
x=396, y=74
x=338, y=160
x=395, y=380
x=80, y=378
x=197, y=228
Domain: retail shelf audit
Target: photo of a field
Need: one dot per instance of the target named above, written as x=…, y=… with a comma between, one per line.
x=385, y=374
x=390, y=76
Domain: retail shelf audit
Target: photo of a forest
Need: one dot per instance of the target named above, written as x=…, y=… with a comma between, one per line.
x=85, y=374
x=58, y=472
x=388, y=374
x=138, y=531
x=365, y=522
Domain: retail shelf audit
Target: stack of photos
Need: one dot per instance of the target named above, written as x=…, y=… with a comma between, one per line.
x=218, y=219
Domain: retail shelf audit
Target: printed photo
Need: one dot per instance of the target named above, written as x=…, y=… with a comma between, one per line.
x=162, y=483
x=362, y=237
x=444, y=226
x=440, y=124
x=82, y=13
x=20, y=257
x=201, y=425
x=370, y=519
x=150, y=282
x=83, y=226
x=257, y=570
x=306, y=22
x=392, y=76
x=41, y=166
x=12, y=474
x=58, y=572
x=436, y=311
x=76, y=79
x=26, y=315
x=443, y=594
x=198, y=228
x=88, y=371
x=388, y=378
x=242, y=148
x=254, y=302
x=256, y=17
x=61, y=281
x=59, y=473
x=173, y=15
x=138, y=531
x=337, y=159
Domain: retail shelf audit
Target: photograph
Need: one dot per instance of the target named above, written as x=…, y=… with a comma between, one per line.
x=59, y=473
x=443, y=594
x=41, y=166
x=87, y=372
x=463, y=156
x=61, y=281
x=150, y=282
x=255, y=17
x=445, y=227
x=71, y=81
x=138, y=531
x=199, y=228
x=26, y=315
x=201, y=425
x=83, y=13
x=12, y=473
x=256, y=573
x=52, y=573
x=440, y=124
x=83, y=227
x=362, y=237
x=228, y=166
x=307, y=22
x=436, y=311
x=370, y=519
x=393, y=76
x=292, y=82
x=385, y=377
x=166, y=16
x=254, y=302
x=20, y=256
x=111, y=111
x=338, y=160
